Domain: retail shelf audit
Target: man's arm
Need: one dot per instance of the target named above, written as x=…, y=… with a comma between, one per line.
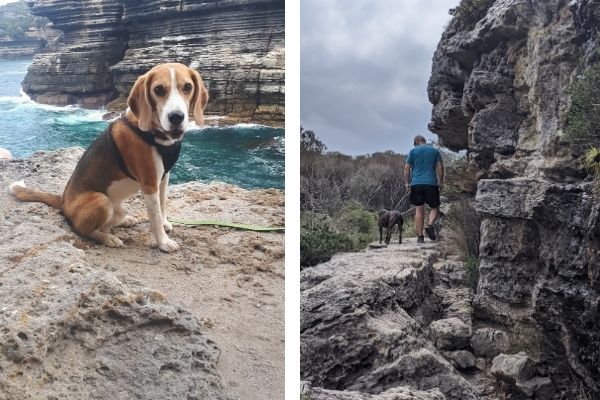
x=407, y=174
x=440, y=173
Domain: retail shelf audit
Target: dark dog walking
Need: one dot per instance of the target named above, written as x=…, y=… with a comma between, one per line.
x=387, y=219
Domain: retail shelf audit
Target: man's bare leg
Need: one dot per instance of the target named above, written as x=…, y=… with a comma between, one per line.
x=433, y=215
x=419, y=219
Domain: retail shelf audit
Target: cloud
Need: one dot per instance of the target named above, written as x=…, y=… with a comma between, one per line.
x=364, y=70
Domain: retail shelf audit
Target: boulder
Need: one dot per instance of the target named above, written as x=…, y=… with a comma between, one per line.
x=513, y=368
x=5, y=154
x=462, y=359
x=540, y=388
x=489, y=342
x=450, y=334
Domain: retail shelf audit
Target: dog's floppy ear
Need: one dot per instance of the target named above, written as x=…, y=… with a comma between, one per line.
x=139, y=102
x=200, y=98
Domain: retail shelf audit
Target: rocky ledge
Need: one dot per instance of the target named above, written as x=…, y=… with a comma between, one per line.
x=237, y=46
x=21, y=47
x=364, y=319
x=397, y=324
x=79, y=320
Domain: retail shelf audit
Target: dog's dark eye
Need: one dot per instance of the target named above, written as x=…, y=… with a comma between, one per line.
x=159, y=90
x=187, y=87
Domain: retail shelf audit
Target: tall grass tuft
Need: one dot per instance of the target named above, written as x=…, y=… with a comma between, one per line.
x=462, y=225
x=582, y=125
x=591, y=162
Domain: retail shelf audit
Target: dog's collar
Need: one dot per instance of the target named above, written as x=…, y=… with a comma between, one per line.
x=169, y=154
x=149, y=136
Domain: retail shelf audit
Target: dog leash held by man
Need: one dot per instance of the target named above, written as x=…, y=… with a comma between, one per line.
x=424, y=177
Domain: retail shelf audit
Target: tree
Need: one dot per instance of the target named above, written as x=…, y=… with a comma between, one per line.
x=309, y=142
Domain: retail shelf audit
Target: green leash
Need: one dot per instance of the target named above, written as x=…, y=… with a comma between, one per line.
x=255, y=228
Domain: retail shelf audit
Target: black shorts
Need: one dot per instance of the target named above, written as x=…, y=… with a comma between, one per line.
x=421, y=194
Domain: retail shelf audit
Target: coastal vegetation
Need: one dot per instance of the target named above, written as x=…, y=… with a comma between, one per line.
x=341, y=194
x=583, y=118
x=350, y=229
x=582, y=125
x=16, y=19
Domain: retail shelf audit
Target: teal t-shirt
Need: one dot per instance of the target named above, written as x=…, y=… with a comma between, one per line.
x=423, y=160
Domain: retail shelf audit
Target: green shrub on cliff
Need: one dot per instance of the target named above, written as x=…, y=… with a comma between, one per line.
x=357, y=223
x=318, y=239
x=468, y=12
x=321, y=236
x=591, y=160
x=582, y=126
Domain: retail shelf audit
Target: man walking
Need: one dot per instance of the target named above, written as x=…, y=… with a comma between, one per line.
x=424, y=177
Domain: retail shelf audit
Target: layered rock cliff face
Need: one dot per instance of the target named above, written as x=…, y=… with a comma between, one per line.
x=237, y=46
x=500, y=89
x=20, y=47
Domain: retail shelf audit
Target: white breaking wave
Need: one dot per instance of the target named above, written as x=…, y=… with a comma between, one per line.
x=192, y=125
x=13, y=73
x=75, y=114
x=249, y=126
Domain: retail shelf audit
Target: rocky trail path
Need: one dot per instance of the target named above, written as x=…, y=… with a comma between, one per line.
x=79, y=320
x=396, y=323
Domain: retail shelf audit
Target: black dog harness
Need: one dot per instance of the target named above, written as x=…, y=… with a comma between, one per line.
x=169, y=154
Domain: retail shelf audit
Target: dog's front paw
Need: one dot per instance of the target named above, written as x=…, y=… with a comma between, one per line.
x=168, y=245
x=168, y=226
x=112, y=241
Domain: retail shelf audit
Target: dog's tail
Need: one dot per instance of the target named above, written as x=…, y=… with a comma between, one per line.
x=22, y=193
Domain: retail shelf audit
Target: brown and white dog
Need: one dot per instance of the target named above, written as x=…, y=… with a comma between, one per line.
x=387, y=219
x=135, y=152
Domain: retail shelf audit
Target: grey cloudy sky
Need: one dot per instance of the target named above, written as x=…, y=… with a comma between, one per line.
x=364, y=70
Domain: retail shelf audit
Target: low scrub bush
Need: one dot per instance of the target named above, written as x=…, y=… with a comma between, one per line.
x=356, y=223
x=472, y=266
x=582, y=125
x=462, y=225
x=409, y=228
x=321, y=236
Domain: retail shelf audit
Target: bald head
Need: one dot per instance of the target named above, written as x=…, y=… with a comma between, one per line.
x=419, y=140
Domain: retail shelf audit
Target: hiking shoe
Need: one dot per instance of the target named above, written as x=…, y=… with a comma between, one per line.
x=430, y=231
x=420, y=239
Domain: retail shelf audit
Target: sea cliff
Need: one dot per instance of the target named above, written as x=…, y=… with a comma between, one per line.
x=237, y=46
x=501, y=89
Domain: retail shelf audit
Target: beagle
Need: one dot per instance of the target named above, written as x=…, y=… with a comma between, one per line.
x=135, y=152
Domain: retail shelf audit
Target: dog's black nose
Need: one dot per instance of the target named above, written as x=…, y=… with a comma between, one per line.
x=176, y=118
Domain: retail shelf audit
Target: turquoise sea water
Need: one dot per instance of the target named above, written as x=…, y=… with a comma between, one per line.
x=250, y=156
